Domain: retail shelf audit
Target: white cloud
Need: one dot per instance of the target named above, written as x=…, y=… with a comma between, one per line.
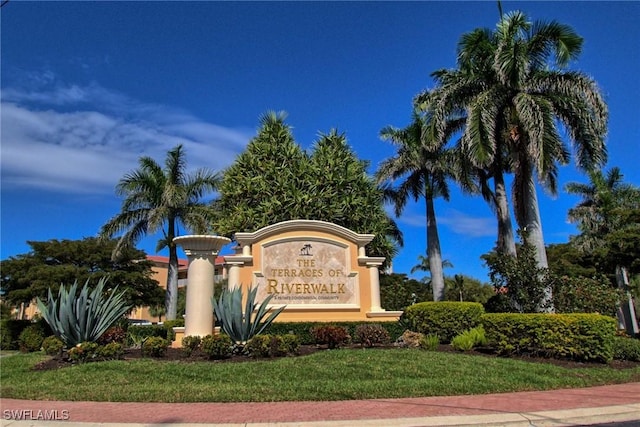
x=461, y=223
x=412, y=220
x=83, y=139
x=458, y=222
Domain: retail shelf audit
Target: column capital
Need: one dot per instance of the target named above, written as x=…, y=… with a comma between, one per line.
x=371, y=261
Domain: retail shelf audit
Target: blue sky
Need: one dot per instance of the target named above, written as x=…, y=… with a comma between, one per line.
x=89, y=87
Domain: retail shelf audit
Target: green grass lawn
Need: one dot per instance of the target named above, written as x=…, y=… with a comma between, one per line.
x=328, y=375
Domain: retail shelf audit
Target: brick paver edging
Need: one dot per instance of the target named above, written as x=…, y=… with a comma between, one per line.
x=272, y=412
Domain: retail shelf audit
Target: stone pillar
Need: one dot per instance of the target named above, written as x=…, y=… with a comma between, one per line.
x=375, y=287
x=372, y=264
x=234, y=275
x=201, y=251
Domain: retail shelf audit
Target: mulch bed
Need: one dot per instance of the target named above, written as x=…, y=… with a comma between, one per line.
x=176, y=354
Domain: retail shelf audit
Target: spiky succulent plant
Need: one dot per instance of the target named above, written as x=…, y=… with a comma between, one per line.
x=77, y=318
x=241, y=325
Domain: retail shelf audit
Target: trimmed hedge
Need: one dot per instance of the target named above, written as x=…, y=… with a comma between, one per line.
x=582, y=337
x=626, y=348
x=446, y=319
x=303, y=329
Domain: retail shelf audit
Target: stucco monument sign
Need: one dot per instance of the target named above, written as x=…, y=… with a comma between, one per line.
x=319, y=270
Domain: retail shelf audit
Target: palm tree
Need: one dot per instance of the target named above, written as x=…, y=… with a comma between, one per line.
x=157, y=311
x=596, y=214
x=482, y=157
x=603, y=212
x=160, y=199
x=458, y=285
x=423, y=264
x=515, y=97
x=423, y=166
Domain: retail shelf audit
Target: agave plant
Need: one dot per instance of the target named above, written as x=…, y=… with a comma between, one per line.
x=241, y=325
x=84, y=317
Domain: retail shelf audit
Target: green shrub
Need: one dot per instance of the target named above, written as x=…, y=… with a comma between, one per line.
x=10, y=330
x=625, y=348
x=84, y=352
x=469, y=339
x=113, y=334
x=429, y=342
x=190, y=344
x=409, y=339
x=273, y=345
x=462, y=342
x=260, y=345
x=583, y=337
x=52, y=345
x=331, y=335
x=291, y=344
x=369, y=335
x=155, y=347
x=283, y=345
x=585, y=295
x=30, y=339
x=137, y=335
x=499, y=303
x=445, y=319
x=112, y=351
x=218, y=346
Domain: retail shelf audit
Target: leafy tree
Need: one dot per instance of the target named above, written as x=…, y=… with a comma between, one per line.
x=525, y=282
x=566, y=260
x=265, y=184
x=62, y=262
x=422, y=168
x=162, y=199
x=345, y=194
x=273, y=180
x=397, y=291
x=464, y=288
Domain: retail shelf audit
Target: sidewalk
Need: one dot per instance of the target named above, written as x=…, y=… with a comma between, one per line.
x=568, y=407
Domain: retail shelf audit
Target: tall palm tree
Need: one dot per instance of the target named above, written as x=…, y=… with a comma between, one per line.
x=483, y=157
x=515, y=88
x=162, y=199
x=423, y=166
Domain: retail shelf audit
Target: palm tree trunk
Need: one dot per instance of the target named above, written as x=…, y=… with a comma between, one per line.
x=171, y=298
x=434, y=253
x=506, y=241
x=533, y=234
